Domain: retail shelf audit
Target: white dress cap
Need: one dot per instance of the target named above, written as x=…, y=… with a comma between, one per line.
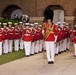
x=0, y=23
x=20, y=22
x=27, y=24
x=74, y=25
x=31, y=24
x=9, y=22
x=56, y=24
x=40, y=25
x=36, y=23
x=15, y=24
x=64, y=22
x=4, y=24
x=67, y=24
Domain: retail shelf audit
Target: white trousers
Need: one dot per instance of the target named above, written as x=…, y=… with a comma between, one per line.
x=44, y=46
x=60, y=47
x=0, y=48
x=68, y=43
x=63, y=46
x=57, y=48
x=21, y=44
x=10, y=44
x=5, y=46
x=65, y=43
x=16, y=45
x=75, y=48
x=32, y=47
x=50, y=48
x=37, y=46
x=27, y=46
x=40, y=47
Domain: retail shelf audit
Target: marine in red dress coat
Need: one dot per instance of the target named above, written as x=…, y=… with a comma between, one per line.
x=17, y=33
x=27, y=34
x=1, y=34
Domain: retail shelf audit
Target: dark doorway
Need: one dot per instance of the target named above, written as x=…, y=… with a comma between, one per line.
x=58, y=13
x=75, y=17
x=8, y=11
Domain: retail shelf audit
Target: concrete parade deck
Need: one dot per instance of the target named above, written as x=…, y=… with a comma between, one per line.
x=65, y=64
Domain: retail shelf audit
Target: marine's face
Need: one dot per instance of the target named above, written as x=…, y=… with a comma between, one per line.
x=5, y=26
x=10, y=25
x=49, y=21
x=36, y=26
x=16, y=26
x=27, y=27
x=20, y=25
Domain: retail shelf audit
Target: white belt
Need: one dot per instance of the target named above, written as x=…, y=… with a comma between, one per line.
x=0, y=34
x=37, y=34
x=27, y=34
x=5, y=34
x=11, y=33
x=33, y=35
x=17, y=33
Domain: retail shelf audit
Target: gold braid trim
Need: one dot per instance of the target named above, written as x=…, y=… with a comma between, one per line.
x=47, y=33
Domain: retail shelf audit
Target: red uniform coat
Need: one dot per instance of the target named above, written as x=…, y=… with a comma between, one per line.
x=68, y=33
x=51, y=37
x=17, y=33
x=21, y=29
x=58, y=35
x=6, y=33
x=40, y=34
x=37, y=34
x=74, y=35
x=11, y=33
x=33, y=35
x=1, y=35
x=27, y=35
x=63, y=33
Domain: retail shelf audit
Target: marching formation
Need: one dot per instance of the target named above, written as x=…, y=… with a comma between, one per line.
x=27, y=36
x=30, y=37
x=34, y=38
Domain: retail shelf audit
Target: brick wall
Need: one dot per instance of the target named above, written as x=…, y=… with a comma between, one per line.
x=35, y=8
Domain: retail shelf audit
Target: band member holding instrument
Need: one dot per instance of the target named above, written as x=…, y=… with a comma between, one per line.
x=49, y=35
x=1, y=38
x=16, y=37
x=5, y=39
x=11, y=35
x=74, y=39
x=27, y=37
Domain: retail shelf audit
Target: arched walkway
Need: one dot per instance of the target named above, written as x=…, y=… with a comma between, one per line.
x=10, y=10
x=58, y=13
x=74, y=18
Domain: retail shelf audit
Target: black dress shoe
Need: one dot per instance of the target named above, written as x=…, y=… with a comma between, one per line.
x=75, y=55
x=31, y=54
x=27, y=55
x=36, y=53
x=64, y=50
x=52, y=62
x=56, y=54
x=67, y=49
x=59, y=52
x=40, y=51
x=49, y=62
